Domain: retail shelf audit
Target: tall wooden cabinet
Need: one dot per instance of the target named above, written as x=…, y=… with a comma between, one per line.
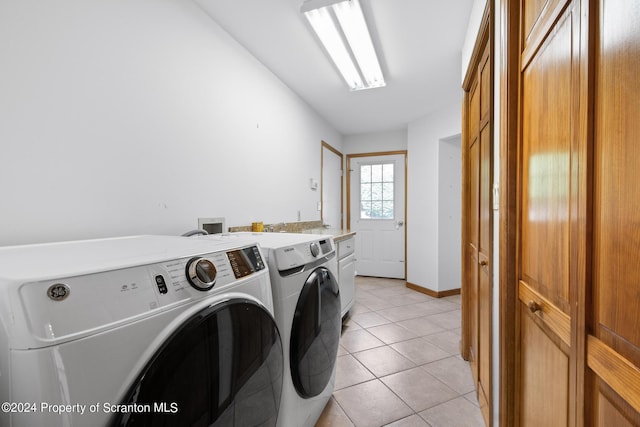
x=576, y=287
x=477, y=219
x=549, y=191
x=613, y=329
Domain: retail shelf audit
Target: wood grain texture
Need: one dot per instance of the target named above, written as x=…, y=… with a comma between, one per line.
x=558, y=321
x=544, y=24
x=619, y=373
x=477, y=216
x=485, y=243
x=545, y=376
x=546, y=185
x=617, y=173
x=509, y=55
x=474, y=114
x=613, y=353
x=578, y=212
x=548, y=116
x=531, y=10
x=609, y=414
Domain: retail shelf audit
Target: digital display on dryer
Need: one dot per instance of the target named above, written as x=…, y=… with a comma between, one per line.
x=325, y=245
x=245, y=261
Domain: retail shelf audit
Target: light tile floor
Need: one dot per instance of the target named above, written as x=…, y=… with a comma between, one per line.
x=399, y=362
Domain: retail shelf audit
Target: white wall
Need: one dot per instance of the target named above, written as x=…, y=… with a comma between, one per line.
x=475, y=19
x=126, y=117
x=449, y=213
x=423, y=143
x=393, y=140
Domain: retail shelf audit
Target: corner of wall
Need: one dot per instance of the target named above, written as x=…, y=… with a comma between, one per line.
x=423, y=139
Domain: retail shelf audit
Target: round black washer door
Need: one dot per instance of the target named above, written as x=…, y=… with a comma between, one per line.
x=315, y=333
x=222, y=367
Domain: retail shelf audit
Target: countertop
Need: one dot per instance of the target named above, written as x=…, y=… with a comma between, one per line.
x=338, y=234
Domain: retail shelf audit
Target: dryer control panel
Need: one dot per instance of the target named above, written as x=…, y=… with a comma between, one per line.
x=68, y=308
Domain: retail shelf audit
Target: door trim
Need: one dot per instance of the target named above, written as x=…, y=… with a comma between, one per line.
x=326, y=145
x=406, y=174
x=509, y=69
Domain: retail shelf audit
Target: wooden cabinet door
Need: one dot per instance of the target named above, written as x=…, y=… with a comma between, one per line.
x=478, y=233
x=613, y=346
x=471, y=213
x=485, y=242
x=547, y=200
x=577, y=237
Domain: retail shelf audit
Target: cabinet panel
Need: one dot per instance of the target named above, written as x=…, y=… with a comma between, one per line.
x=485, y=89
x=484, y=341
x=539, y=18
x=548, y=127
x=474, y=114
x=617, y=162
x=614, y=351
x=609, y=415
x=471, y=287
x=472, y=254
x=546, y=189
x=531, y=12
x=484, y=244
x=346, y=247
x=474, y=177
x=346, y=280
x=544, y=376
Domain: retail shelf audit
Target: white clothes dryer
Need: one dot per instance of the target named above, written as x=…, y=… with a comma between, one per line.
x=145, y=330
x=307, y=308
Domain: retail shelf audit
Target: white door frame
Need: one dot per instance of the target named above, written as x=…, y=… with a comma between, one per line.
x=325, y=147
x=374, y=154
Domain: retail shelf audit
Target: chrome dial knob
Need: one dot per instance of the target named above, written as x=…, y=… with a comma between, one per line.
x=201, y=273
x=315, y=249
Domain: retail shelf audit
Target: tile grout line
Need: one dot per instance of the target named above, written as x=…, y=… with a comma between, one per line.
x=456, y=306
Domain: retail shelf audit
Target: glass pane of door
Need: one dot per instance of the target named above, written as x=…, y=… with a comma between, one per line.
x=377, y=191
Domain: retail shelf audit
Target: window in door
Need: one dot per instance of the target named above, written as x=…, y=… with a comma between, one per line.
x=376, y=191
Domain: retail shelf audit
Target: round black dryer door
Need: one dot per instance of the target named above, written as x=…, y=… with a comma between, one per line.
x=223, y=367
x=315, y=333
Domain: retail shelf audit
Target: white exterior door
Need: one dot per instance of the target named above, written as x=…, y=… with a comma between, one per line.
x=377, y=214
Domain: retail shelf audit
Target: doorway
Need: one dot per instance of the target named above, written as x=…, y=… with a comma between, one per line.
x=376, y=192
x=331, y=212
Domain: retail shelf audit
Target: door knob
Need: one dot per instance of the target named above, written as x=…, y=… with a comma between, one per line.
x=534, y=306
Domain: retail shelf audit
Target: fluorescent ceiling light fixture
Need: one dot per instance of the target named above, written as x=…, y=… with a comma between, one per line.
x=341, y=28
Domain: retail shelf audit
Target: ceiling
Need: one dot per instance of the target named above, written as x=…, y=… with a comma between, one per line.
x=418, y=42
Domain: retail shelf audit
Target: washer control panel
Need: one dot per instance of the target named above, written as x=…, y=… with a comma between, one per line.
x=246, y=261
x=201, y=273
x=299, y=254
x=106, y=299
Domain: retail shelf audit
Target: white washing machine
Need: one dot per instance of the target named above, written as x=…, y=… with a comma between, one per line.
x=146, y=330
x=307, y=308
